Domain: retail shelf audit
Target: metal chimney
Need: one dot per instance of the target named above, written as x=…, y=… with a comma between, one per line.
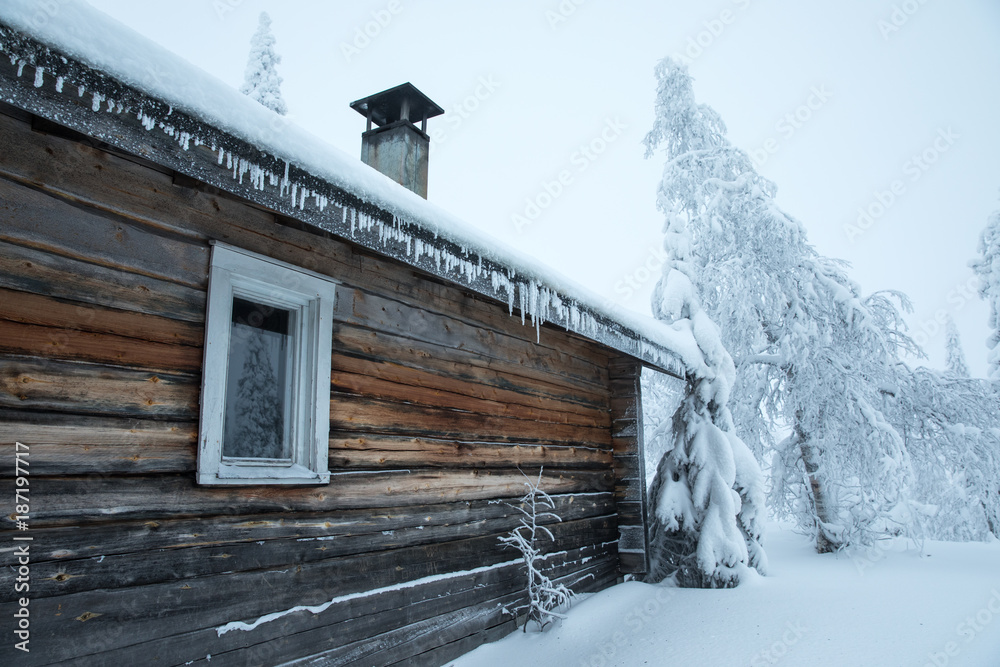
x=395, y=146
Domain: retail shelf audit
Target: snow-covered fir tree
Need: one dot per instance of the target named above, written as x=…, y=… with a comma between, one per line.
x=955, y=357
x=813, y=357
x=259, y=428
x=707, y=497
x=987, y=267
x=260, y=80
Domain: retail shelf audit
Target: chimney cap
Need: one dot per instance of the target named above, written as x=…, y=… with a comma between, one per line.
x=388, y=106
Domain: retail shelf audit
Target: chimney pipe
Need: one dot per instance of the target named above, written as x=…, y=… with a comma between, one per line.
x=396, y=147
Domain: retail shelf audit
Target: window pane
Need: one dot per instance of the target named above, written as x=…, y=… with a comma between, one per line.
x=258, y=382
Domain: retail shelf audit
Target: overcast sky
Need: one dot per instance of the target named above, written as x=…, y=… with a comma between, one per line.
x=887, y=106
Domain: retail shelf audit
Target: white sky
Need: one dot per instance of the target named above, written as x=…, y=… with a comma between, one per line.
x=555, y=85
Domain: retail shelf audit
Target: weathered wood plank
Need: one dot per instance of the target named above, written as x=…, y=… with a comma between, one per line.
x=81, y=500
x=64, y=444
x=410, y=644
x=382, y=346
x=35, y=219
x=350, y=450
x=65, y=577
x=630, y=466
x=339, y=528
x=52, y=343
x=345, y=621
x=133, y=615
x=66, y=386
x=375, y=312
x=349, y=412
x=475, y=309
x=48, y=312
x=383, y=379
x=39, y=272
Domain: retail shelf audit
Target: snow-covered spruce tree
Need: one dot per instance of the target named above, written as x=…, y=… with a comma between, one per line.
x=812, y=356
x=955, y=357
x=987, y=267
x=544, y=595
x=259, y=427
x=707, y=498
x=260, y=80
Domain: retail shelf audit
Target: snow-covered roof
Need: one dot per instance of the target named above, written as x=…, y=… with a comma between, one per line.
x=81, y=68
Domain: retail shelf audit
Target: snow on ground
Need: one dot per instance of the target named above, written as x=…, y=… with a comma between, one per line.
x=889, y=606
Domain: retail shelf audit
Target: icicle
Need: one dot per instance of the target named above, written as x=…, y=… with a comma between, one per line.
x=222, y=155
x=59, y=84
x=20, y=67
x=39, y=76
x=96, y=104
x=80, y=90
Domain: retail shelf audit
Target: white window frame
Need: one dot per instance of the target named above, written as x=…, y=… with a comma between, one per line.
x=311, y=298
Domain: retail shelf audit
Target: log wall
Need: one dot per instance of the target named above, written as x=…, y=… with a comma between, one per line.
x=439, y=399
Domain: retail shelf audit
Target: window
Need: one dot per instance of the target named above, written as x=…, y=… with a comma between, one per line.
x=265, y=390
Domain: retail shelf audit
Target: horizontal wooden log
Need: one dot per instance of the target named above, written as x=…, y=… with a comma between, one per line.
x=350, y=531
x=354, y=413
x=39, y=272
x=133, y=615
x=37, y=384
x=48, y=312
x=82, y=500
x=384, y=347
x=441, y=297
x=382, y=635
x=38, y=220
x=63, y=343
x=382, y=314
x=62, y=444
x=301, y=633
x=350, y=450
x=63, y=577
x=409, y=644
x=384, y=379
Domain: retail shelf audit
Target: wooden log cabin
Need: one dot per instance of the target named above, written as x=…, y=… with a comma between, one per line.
x=146, y=247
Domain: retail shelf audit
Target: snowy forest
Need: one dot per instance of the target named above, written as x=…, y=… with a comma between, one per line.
x=809, y=408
